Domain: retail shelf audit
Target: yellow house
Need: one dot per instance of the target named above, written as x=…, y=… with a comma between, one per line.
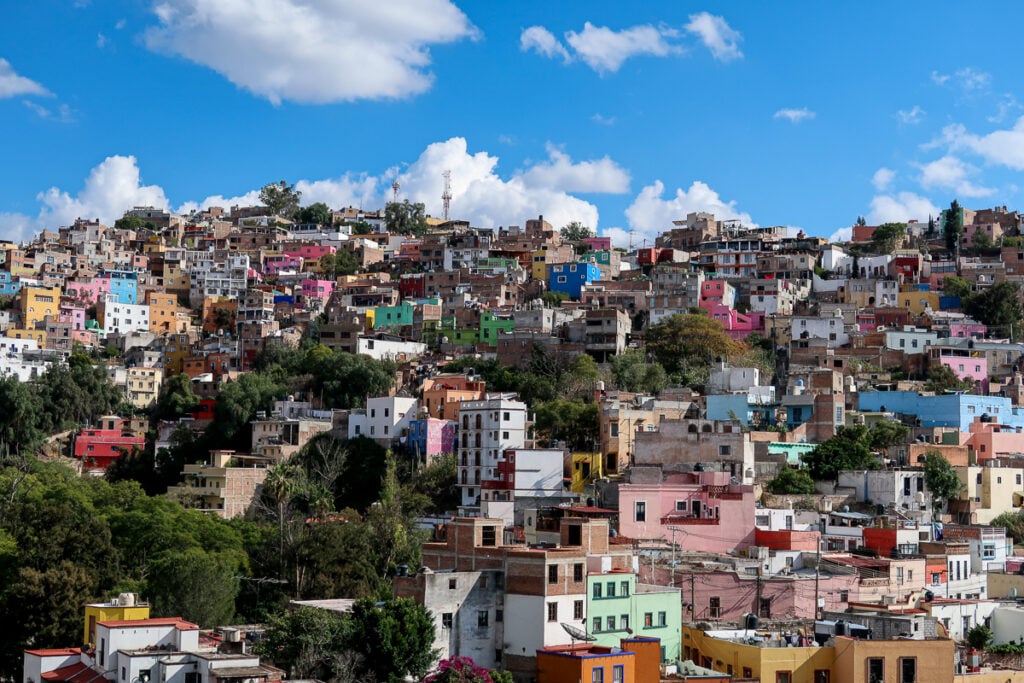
x=918, y=302
x=893, y=660
x=37, y=303
x=778, y=664
x=125, y=607
x=586, y=467
x=539, y=265
x=22, y=333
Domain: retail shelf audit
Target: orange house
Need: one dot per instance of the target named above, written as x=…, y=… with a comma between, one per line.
x=638, y=661
x=443, y=393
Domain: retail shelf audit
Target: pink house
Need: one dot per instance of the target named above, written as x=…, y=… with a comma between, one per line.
x=992, y=440
x=311, y=252
x=717, y=293
x=317, y=290
x=599, y=243
x=737, y=325
x=963, y=330
x=75, y=315
x=88, y=291
x=705, y=511
x=968, y=367
x=279, y=263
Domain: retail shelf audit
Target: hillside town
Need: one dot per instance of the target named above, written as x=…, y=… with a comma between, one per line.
x=254, y=444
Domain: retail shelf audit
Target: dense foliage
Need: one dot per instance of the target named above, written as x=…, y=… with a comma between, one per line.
x=791, y=480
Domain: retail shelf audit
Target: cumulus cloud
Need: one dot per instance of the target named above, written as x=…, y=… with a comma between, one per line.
x=910, y=117
x=63, y=113
x=717, y=36
x=650, y=214
x=883, y=178
x=794, y=115
x=603, y=120
x=543, y=42
x=900, y=208
x=951, y=173
x=312, y=51
x=604, y=50
x=841, y=235
x=968, y=80
x=1001, y=147
x=13, y=85
x=560, y=173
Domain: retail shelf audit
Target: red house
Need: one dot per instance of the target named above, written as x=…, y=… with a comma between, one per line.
x=97, y=448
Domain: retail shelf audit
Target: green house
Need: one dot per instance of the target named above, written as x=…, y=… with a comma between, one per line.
x=491, y=326
x=618, y=607
x=393, y=316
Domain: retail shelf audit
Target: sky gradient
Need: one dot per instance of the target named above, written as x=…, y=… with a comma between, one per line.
x=621, y=115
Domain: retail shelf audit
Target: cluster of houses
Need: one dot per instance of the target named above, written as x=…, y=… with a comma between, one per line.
x=659, y=551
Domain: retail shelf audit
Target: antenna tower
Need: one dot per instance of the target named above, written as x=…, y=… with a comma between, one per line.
x=395, y=187
x=446, y=196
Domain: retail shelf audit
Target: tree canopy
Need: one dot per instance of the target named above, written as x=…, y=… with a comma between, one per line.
x=849, y=449
x=998, y=306
x=575, y=232
x=791, y=480
x=888, y=236
x=280, y=198
x=953, y=225
x=405, y=217
x=317, y=213
x=940, y=478
x=942, y=378
x=686, y=343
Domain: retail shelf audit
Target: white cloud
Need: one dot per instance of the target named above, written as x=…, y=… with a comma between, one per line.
x=1002, y=147
x=560, y=173
x=543, y=42
x=64, y=113
x=121, y=23
x=112, y=186
x=650, y=214
x=16, y=227
x=101, y=41
x=910, y=117
x=312, y=51
x=883, y=178
x=1003, y=108
x=717, y=36
x=841, y=235
x=604, y=50
x=794, y=115
x=951, y=173
x=900, y=208
x=967, y=79
x=603, y=120
x=13, y=85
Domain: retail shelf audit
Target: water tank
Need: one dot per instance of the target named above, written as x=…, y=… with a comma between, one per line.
x=750, y=621
x=126, y=600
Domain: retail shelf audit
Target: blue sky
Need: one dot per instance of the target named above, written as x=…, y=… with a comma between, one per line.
x=621, y=115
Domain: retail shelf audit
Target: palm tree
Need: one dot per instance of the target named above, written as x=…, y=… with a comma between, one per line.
x=280, y=485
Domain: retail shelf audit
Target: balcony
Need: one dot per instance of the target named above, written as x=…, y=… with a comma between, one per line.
x=675, y=519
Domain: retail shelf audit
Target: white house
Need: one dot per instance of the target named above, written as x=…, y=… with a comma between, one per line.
x=385, y=347
x=384, y=419
x=488, y=428
x=910, y=340
x=121, y=318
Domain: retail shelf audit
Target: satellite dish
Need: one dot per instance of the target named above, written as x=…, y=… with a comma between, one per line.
x=576, y=633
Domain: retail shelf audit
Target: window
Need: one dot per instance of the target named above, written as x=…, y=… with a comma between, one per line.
x=765, y=608
x=482, y=618
x=618, y=673
x=610, y=589
x=577, y=609
x=783, y=677
x=489, y=536
x=748, y=672
x=446, y=620
x=597, y=675
x=715, y=608
x=453, y=584
x=611, y=623
x=725, y=450
x=124, y=673
x=661, y=619
x=577, y=572
x=876, y=669
x=648, y=619
x=597, y=589
x=553, y=573
x=640, y=511
x=624, y=622
x=499, y=615
x=597, y=625
x=936, y=578
x=624, y=589
x=822, y=675
x=552, y=611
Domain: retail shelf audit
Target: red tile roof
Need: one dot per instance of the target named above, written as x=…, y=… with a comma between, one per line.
x=55, y=652
x=178, y=622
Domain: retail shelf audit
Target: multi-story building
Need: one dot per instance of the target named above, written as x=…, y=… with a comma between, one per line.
x=142, y=386
x=488, y=428
x=384, y=419
x=226, y=485
x=618, y=607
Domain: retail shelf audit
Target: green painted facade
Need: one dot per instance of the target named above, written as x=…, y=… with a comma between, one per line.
x=492, y=326
x=616, y=603
x=392, y=316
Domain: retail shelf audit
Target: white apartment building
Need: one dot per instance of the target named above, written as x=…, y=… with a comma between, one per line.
x=121, y=318
x=488, y=428
x=384, y=419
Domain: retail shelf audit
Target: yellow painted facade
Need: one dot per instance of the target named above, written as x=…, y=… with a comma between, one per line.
x=37, y=303
x=586, y=467
x=22, y=333
x=918, y=302
x=98, y=612
x=751, y=661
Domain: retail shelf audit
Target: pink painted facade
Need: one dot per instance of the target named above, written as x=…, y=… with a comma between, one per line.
x=707, y=511
x=714, y=293
x=440, y=436
x=966, y=367
x=279, y=263
x=311, y=252
x=737, y=325
x=991, y=440
x=786, y=597
x=88, y=291
x=317, y=290
x=965, y=329
x=75, y=315
x=599, y=243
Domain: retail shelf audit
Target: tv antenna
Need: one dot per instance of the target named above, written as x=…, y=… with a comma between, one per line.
x=446, y=196
x=576, y=633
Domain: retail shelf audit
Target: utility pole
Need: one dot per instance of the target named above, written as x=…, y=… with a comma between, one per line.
x=693, y=606
x=817, y=575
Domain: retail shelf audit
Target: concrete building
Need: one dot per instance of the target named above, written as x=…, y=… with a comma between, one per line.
x=488, y=428
x=385, y=419
x=226, y=485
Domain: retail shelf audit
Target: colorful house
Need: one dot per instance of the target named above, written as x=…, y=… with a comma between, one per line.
x=569, y=278
x=617, y=607
x=632, y=660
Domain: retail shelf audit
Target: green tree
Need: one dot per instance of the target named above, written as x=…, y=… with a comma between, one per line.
x=176, y=398
x=998, y=306
x=940, y=478
x=237, y=405
x=931, y=226
x=196, y=585
x=396, y=639
x=316, y=213
x=979, y=636
x=554, y=299
x=981, y=239
x=280, y=198
x=954, y=285
x=305, y=642
x=1013, y=522
x=953, y=225
x=683, y=343
x=848, y=450
x=942, y=378
x=575, y=232
x=76, y=392
x=886, y=434
x=888, y=236
x=861, y=221
x=632, y=372
x=573, y=423
x=22, y=408
x=405, y=217
x=392, y=520
x=791, y=480
x=438, y=481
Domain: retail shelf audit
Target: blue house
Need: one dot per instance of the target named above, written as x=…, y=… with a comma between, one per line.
x=8, y=285
x=124, y=285
x=943, y=410
x=570, y=277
